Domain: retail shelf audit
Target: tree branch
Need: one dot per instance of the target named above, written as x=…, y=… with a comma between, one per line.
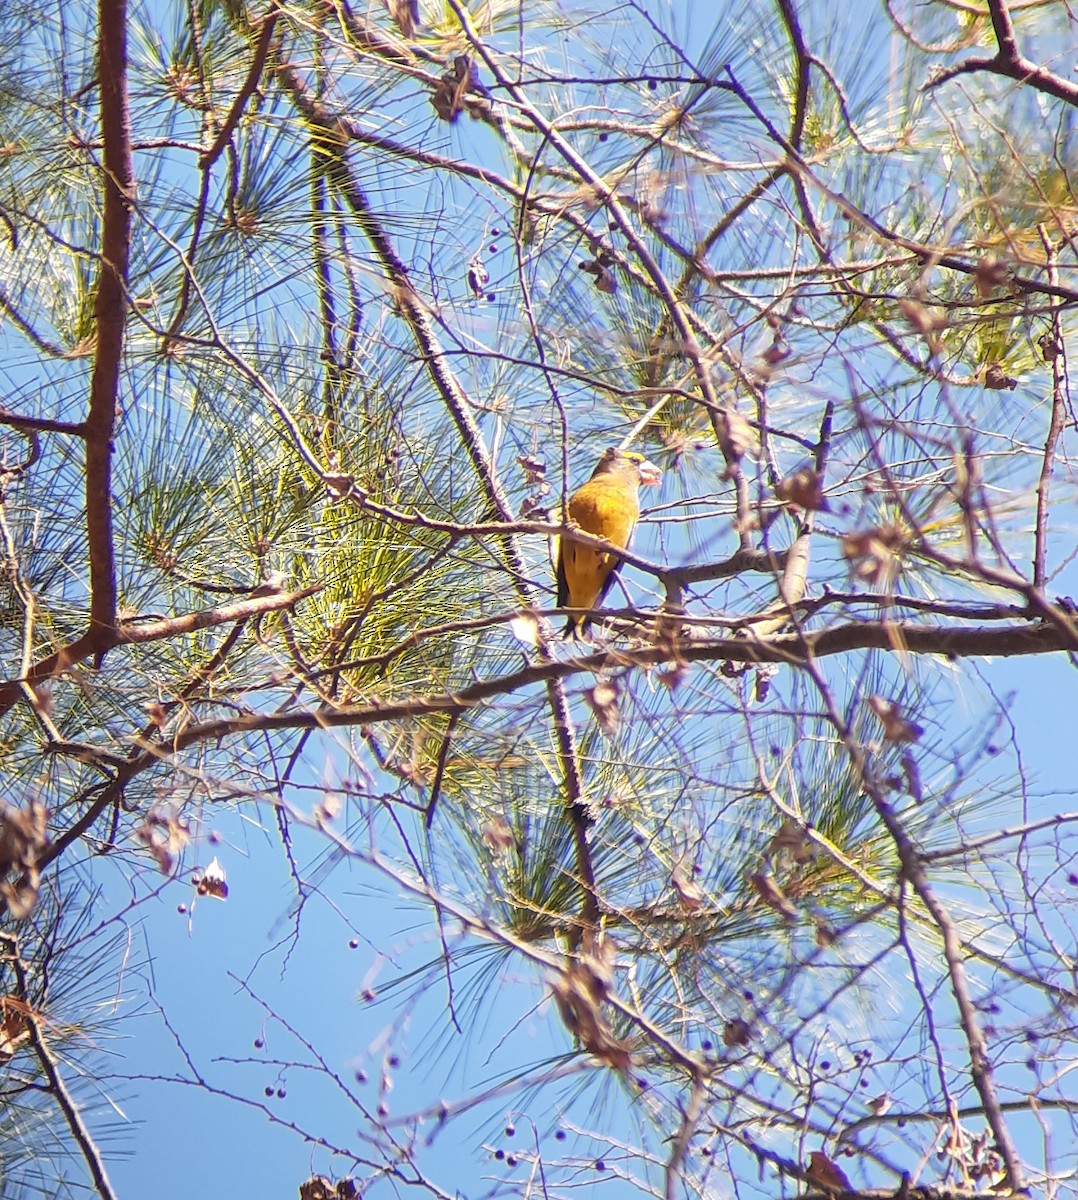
x=792, y=649
x=110, y=310
x=132, y=633
x=1009, y=62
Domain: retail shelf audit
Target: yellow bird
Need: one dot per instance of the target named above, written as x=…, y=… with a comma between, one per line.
x=608, y=506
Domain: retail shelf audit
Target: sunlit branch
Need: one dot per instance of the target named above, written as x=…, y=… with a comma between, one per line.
x=1009, y=62
x=792, y=649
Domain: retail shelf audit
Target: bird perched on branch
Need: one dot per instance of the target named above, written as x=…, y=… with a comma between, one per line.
x=608, y=506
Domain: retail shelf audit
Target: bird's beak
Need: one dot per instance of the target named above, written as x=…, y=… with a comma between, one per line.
x=649, y=473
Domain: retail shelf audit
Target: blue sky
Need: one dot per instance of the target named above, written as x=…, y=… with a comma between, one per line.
x=185, y=1141
x=259, y=1011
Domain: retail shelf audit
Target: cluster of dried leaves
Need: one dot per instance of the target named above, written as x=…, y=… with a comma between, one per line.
x=23, y=840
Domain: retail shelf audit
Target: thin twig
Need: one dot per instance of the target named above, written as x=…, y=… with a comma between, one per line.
x=1056, y=351
x=258, y=65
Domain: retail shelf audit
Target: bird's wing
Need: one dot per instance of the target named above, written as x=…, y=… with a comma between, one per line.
x=563, y=583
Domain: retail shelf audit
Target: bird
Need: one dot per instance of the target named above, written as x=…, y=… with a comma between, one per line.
x=826, y=1175
x=607, y=506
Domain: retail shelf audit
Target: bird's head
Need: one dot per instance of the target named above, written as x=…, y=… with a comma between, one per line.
x=629, y=463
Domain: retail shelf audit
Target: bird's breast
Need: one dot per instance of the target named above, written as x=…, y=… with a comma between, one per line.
x=606, y=511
